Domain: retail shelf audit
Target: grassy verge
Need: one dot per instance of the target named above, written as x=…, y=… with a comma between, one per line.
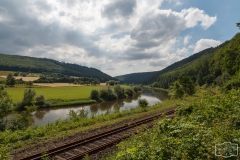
x=192, y=134
x=62, y=128
x=60, y=102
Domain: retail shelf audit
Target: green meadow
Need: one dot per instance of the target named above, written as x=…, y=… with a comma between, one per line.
x=63, y=93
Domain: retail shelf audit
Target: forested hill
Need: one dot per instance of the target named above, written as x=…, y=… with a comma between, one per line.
x=41, y=65
x=213, y=66
x=150, y=77
x=136, y=78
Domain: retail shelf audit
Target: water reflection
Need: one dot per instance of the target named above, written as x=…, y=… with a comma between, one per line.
x=44, y=116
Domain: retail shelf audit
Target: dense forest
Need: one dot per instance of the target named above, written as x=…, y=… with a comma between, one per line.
x=136, y=78
x=215, y=67
x=44, y=65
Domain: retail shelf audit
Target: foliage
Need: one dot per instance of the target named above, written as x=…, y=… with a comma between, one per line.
x=77, y=115
x=44, y=65
x=192, y=134
x=143, y=103
x=28, y=97
x=10, y=80
x=233, y=84
x=119, y=91
x=29, y=84
x=94, y=94
x=40, y=99
x=108, y=94
x=60, y=78
x=20, y=121
x=137, y=89
x=178, y=90
x=5, y=105
x=238, y=25
x=112, y=83
x=130, y=92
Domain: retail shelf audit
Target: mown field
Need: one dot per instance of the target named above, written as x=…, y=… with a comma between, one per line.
x=64, y=93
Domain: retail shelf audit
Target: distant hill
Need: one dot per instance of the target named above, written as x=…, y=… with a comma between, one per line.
x=150, y=77
x=136, y=78
x=207, y=66
x=44, y=65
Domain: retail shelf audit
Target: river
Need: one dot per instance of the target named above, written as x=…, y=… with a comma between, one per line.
x=49, y=115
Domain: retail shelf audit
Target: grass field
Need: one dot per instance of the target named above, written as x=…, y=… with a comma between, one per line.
x=5, y=73
x=64, y=93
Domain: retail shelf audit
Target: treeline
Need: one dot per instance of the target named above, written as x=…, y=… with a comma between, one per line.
x=118, y=93
x=60, y=78
x=217, y=67
x=41, y=65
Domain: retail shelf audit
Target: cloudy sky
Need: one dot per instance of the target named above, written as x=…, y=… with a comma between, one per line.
x=116, y=36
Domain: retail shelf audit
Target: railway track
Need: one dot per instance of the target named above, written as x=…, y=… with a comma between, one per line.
x=93, y=144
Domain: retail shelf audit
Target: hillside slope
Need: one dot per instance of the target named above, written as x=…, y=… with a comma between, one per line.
x=41, y=65
x=204, y=67
x=135, y=78
x=216, y=65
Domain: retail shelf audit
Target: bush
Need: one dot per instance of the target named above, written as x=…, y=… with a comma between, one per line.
x=108, y=94
x=137, y=89
x=28, y=97
x=119, y=91
x=143, y=103
x=94, y=95
x=40, y=99
x=130, y=92
x=234, y=84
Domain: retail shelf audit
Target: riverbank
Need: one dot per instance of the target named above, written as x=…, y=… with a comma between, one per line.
x=12, y=141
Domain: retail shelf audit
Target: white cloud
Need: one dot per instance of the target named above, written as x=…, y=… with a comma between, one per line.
x=186, y=39
x=204, y=44
x=193, y=16
x=134, y=36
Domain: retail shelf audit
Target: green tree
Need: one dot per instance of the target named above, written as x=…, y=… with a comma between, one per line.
x=40, y=99
x=119, y=91
x=29, y=84
x=187, y=84
x=94, y=94
x=10, y=80
x=143, y=103
x=238, y=25
x=178, y=90
x=5, y=105
x=28, y=97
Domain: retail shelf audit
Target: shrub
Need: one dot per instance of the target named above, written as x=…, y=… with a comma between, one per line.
x=143, y=103
x=108, y=94
x=94, y=94
x=40, y=99
x=129, y=92
x=137, y=89
x=28, y=96
x=119, y=91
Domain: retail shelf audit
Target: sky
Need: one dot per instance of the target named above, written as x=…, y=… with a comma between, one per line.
x=116, y=36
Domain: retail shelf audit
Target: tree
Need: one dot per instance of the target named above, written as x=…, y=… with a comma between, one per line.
x=28, y=97
x=119, y=91
x=187, y=84
x=29, y=84
x=143, y=103
x=94, y=94
x=238, y=25
x=5, y=105
x=10, y=80
x=40, y=99
x=178, y=90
